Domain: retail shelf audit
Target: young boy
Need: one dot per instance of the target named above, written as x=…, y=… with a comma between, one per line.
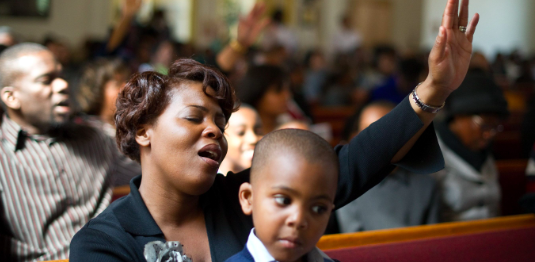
x=290, y=196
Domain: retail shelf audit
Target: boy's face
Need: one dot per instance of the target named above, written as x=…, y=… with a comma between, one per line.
x=291, y=201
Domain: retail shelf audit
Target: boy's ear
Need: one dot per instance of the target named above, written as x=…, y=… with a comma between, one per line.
x=9, y=98
x=246, y=198
x=143, y=136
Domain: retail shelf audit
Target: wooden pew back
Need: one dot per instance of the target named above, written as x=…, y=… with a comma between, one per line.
x=348, y=240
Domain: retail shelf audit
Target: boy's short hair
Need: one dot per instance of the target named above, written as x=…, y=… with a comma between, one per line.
x=306, y=144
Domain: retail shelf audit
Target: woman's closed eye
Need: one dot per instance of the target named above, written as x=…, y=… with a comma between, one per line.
x=282, y=200
x=194, y=119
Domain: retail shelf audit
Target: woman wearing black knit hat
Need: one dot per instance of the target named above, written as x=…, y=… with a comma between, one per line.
x=473, y=117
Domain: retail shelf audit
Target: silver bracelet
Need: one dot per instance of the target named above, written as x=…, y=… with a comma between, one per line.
x=425, y=107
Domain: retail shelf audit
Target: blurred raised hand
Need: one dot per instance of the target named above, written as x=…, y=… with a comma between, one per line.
x=249, y=28
x=130, y=7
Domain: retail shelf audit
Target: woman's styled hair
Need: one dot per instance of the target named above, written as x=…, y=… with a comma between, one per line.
x=94, y=77
x=257, y=81
x=147, y=94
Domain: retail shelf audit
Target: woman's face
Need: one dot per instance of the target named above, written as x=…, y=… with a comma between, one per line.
x=476, y=132
x=243, y=132
x=275, y=102
x=187, y=143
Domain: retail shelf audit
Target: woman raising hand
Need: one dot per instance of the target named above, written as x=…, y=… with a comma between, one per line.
x=173, y=125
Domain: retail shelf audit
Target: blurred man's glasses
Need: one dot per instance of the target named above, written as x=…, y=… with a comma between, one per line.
x=493, y=129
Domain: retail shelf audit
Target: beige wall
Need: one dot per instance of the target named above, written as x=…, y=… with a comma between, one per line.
x=406, y=28
x=504, y=25
x=73, y=20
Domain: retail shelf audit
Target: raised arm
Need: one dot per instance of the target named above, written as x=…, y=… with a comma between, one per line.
x=405, y=136
x=249, y=28
x=128, y=11
x=448, y=63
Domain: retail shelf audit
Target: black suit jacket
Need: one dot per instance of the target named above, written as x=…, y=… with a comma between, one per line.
x=122, y=230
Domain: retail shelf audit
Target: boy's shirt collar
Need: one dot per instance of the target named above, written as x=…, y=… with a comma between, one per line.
x=261, y=254
x=257, y=249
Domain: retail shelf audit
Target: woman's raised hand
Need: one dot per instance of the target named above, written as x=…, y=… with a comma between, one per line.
x=250, y=26
x=450, y=57
x=130, y=7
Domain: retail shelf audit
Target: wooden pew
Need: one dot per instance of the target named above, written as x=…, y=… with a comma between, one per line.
x=340, y=243
x=512, y=238
x=336, y=241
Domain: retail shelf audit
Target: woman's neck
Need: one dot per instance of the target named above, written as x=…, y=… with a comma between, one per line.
x=168, y=207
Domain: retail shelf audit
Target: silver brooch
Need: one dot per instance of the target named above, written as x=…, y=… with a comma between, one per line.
x=172, y=251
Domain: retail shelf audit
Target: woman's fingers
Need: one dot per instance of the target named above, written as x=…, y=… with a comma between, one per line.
x=472, y=27
x=439, y=48
x=258, y=10
x=449, y=18
x=463, y=16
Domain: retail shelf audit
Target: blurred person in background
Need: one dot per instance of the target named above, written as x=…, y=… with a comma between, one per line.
x=7, y=38
x=473, y=116
x=244, y=130
x=267, y=89
x=402, y=199
x=383, y=66
x=298, y=107
x=480, y=62
x=98, y=88
x=61, y=172
x=278, y=34
x=315, y=76
x=161, y=59
x=399, y=84
x=347, y=40
x=339, y=87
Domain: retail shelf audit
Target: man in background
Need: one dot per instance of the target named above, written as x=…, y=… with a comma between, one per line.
x=54, y=175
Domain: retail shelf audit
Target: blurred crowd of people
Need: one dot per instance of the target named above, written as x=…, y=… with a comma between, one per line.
x=280, y=86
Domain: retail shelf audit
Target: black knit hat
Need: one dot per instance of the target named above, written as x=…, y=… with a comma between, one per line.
x=478, y=94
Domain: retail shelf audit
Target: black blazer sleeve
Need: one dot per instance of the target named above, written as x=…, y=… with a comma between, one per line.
x=365, y=161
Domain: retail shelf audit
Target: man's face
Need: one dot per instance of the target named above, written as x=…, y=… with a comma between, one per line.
x=291, y=203
x=43, y=95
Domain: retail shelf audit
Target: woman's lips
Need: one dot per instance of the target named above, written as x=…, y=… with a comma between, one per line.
x=211, y=154
x=210, y=162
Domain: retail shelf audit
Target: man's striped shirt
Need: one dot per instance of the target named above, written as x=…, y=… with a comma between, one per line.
x=51, y=187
